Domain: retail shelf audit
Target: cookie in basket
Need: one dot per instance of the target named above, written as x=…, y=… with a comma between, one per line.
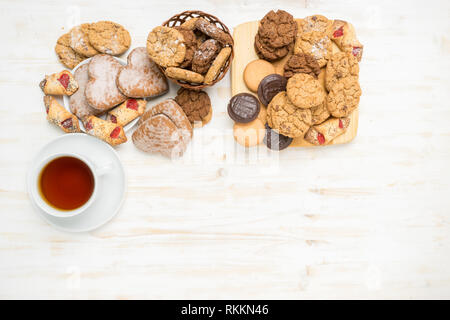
x=205, y=55
x=217, y=65
x=141, y=77
x=211, y=30
x=184, y=75
x=166, y=46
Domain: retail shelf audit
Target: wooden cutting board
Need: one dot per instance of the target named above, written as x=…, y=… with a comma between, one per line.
x=244, y=52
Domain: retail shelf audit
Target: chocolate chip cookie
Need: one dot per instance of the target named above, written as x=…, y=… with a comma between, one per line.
x=343, y=97
x=304, y=91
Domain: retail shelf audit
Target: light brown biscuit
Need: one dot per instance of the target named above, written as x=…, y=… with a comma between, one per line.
x=320, y=113
x=101, y=90
x=304, y=91
x=166, y=46
x=189, y=24
x=77, y=102
x=184, y=75
x=59, y=116
x=79, y=40
x=205, y=55
x=344, y=97
x=325, y=132
x=217, y=65
x=286, y=118
x=316, y=22
x=255, y=71
x=141, y=77
x=109, y=37
x=249, y=134
x=61, y=83
x=316, y=44
x=212, y=31
x=163, y=129
x=340, y=65
x=67, y=56
x=107, y=131
x=126, y=112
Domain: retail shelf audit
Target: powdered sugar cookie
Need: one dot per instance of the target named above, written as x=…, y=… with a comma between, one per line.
x=77, y=102
x=141, y=77
x=101, y=90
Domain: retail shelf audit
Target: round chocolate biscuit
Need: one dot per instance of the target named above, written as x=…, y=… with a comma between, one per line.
x=270, y=86
x=243, y=108
x=276, y=141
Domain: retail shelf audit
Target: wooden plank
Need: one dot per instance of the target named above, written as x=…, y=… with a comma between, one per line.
x=244, y=35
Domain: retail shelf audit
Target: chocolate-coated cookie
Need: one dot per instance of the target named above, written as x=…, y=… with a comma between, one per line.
x=243, y=108
x=270, y=86
x=275, y=141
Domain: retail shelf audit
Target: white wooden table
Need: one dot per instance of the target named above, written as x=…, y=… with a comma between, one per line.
x=370, y=219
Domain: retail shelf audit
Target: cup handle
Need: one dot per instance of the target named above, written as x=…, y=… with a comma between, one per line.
x=103, y=169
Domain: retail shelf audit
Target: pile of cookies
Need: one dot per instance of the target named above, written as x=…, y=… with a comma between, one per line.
x=104, y=86
x=194, y=52
x=90, y=39
x=313, y=93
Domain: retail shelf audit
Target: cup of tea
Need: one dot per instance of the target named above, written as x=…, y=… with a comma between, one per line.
x=66, y=184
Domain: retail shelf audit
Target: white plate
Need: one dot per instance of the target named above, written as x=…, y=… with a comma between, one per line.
x=111, y=188
x=67, y=103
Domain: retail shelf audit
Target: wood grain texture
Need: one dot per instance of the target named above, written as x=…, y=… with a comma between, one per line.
x=244, y=37
x=367, y=219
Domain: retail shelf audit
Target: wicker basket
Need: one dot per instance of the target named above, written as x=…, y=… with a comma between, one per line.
x=179, y=19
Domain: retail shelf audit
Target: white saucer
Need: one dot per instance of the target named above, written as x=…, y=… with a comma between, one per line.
x=111, y=188
x=67, y=103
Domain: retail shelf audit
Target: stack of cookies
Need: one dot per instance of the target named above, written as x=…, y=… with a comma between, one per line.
x=194, y=52
x=307, y=78
x=90, y=39
x=103, y=86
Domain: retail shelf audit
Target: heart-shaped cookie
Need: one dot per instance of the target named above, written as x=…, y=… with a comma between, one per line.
x=141, y=77
x=101, y=90
x=164, y=129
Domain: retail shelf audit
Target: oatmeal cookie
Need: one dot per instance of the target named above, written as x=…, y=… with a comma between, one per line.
x=189, y=24
x=344, y=97
x=166, y=46
x=212, y=31
x=195, y=104
x=286, y=118
x=109, y=37
x=191, y=46
x=66, y=54
x=301, y=63
x=217, y=65
x=184, y=75
x=340, y=65
x=316, y=22
x=269, y=53
x=205, y=55
x=316, y=44
x=320, y=113
x=79, y=40
x=277, y=29
x=304, y=91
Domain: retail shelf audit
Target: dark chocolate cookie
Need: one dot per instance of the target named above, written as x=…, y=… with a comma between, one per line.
x=277, y=29
x=301, y=63
x=275, y=141
x=270, y=86
x=205, y=55
x=243, y=108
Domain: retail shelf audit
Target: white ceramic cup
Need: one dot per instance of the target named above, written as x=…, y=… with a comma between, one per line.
x=97, y=171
